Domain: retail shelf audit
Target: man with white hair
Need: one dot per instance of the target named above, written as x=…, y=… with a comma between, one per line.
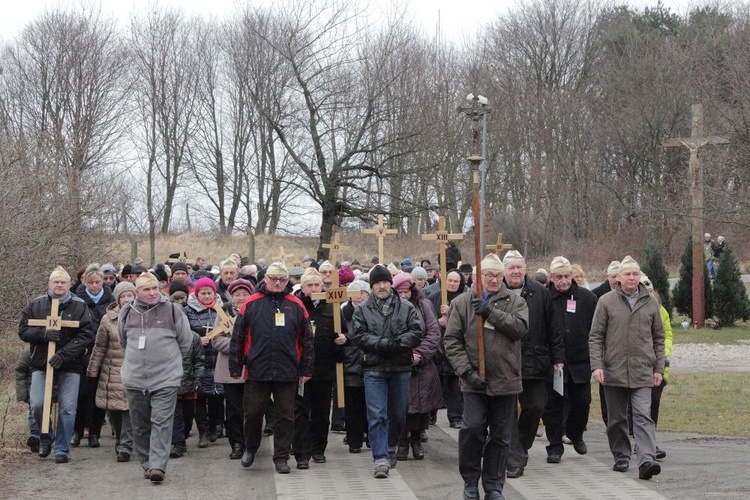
x=609, y=284
x=626, y=345
x=573, y=309
x=489, y=403
x=228, y=272
x=542, y=349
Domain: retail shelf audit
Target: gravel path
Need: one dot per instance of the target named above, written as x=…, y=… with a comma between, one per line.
x=688, y=358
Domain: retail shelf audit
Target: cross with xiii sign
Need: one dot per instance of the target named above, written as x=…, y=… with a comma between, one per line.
x=52, y=322
x=336, y=295
x=442, y=237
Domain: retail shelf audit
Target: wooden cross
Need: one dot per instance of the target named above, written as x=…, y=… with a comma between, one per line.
x=694, y=143
x=333, y=248
x=336, y=295
x=225, y=325
x=381, y=232
x=282, y=256
x=442, y=237
x=499, y=246
x=53, y=322
x=182, y=257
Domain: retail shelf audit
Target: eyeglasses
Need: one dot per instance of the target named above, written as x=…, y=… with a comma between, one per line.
x=491, y=277
x=277, y=279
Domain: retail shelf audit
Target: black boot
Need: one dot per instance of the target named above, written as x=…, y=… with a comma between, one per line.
x=203, y=440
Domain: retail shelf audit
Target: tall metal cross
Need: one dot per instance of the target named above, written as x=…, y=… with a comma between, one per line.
x=499, y=246
x=336, y=295
x=52, y=322
x=694, y=143
x=442, y=237
x=381, y=231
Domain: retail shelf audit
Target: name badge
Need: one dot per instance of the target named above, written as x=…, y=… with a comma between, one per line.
x=313, y=327
x=571, y=307
x=280, y=319
x=488, y=325
x=142, y=342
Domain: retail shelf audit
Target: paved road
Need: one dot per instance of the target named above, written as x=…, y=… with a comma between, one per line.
x=696, y=467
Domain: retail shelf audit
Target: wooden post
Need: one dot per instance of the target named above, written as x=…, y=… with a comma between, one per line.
x=499, y=246
x=282, y=257
x=336, y=295
x=53, y=322
x=182, y=257
x=694, y=143
x=225, y=325
x=442, y=237
x=381, y=232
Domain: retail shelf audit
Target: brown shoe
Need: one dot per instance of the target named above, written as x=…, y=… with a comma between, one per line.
x=157, y=476
x=146, y=473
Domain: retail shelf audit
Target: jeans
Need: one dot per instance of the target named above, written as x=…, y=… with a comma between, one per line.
x=33, y=426
x=387, y=398
x=67, y=400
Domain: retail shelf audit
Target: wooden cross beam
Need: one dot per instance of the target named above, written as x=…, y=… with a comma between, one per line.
x=442, y=237
x=53, y=322
x=224, y=326
x=694, y=143
x=499, y=246
x=282, y=256
x=182, y=257
x=334, y=247
x=336, y=295
x=381, y=232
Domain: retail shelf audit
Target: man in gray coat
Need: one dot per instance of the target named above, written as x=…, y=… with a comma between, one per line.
x=626, y=345
x=489, y=402
x=155, y=334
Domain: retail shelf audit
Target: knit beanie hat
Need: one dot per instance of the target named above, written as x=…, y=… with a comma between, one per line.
x=402, y=282
x=205, y=283
x=124, y=286
x=380, y=273
x=511, y=256
x=180, y=266
x=346, y=276
x=560, y=265
x=419, y=273
x=311, y=274
x=59, y=273
x=277, y=268
x=241, y=283
x=358, y=286
x=146, y=279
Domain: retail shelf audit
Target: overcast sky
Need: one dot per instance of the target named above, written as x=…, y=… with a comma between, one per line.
x=456, y=17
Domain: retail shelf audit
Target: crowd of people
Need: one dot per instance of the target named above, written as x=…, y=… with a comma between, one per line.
x=154, y=351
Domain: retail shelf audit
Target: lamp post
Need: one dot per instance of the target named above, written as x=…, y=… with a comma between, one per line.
x=478, y=106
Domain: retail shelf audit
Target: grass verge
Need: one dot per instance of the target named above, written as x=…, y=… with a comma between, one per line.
x=703, y=403
x=731, y=335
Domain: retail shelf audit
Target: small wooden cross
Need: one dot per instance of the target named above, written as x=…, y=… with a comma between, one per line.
x=442, y=237
x=336, y=295
x=225, y=325
x=182, y=257
x=53, y=322
x=499, y=246
x=381, y=232
x=334, y=247
x=282, y=256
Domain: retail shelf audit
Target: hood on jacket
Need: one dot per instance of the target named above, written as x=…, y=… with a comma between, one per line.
x=196, y=304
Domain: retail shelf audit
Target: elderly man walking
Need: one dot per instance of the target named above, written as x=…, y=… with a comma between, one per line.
x=626, y=345
x=155, y=334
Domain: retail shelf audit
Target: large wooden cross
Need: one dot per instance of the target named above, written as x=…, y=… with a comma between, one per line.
x=694, y=143
x=53, y=322
x=334, y=247
x=336, y=295
x=282, y=257
x=381, y=232
x=225, y=325
x=442, y=237
x=499, y=246
x=182, y=257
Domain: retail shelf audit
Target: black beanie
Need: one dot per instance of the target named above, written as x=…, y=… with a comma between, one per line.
x=178, y=285
x=180, y=266
x=380, y=273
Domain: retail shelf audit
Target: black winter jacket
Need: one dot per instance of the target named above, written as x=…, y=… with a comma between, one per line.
x=74, y=342
x=352, y=353
x=99, y=309
x=542, y=346
x=574, y=328
x=387, y=341
x=202, y=320
x=327, y=353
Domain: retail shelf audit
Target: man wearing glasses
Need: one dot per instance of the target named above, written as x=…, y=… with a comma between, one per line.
x=272, y=349
x=489, y=403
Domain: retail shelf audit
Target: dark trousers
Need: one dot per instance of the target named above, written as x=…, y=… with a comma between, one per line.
x=233, y=397
x=311, y=419
x=184, y=412
x=88, y=414
x=454, y=399
x=603, y=404
x=356, y=416
x=414, y=424
x=557, y=422
x=256, y=397
x=533, y=399
x=483, y=455
x=338, y=415
x=209, y=412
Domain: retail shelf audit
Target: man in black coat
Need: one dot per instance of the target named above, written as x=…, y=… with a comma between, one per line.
x=542, y=347
x=573, y=308
x=611, y=281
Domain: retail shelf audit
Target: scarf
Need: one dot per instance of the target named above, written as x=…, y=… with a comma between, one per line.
x=386, y=305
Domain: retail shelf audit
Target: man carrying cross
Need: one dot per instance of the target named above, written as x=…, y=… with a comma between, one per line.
x=70, y=330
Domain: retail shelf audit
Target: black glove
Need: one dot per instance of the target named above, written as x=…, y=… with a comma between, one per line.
x=474, y=380
x=52, y=335
x=480, y=307
x=56, y=362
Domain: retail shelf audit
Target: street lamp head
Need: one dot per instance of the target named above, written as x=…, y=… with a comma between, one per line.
x=480, y=98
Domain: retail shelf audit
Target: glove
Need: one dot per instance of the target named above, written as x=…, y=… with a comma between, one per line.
x=480, y=307
x=474, y=380
x=386, y=346
x=56, y=362
x=52, y=335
